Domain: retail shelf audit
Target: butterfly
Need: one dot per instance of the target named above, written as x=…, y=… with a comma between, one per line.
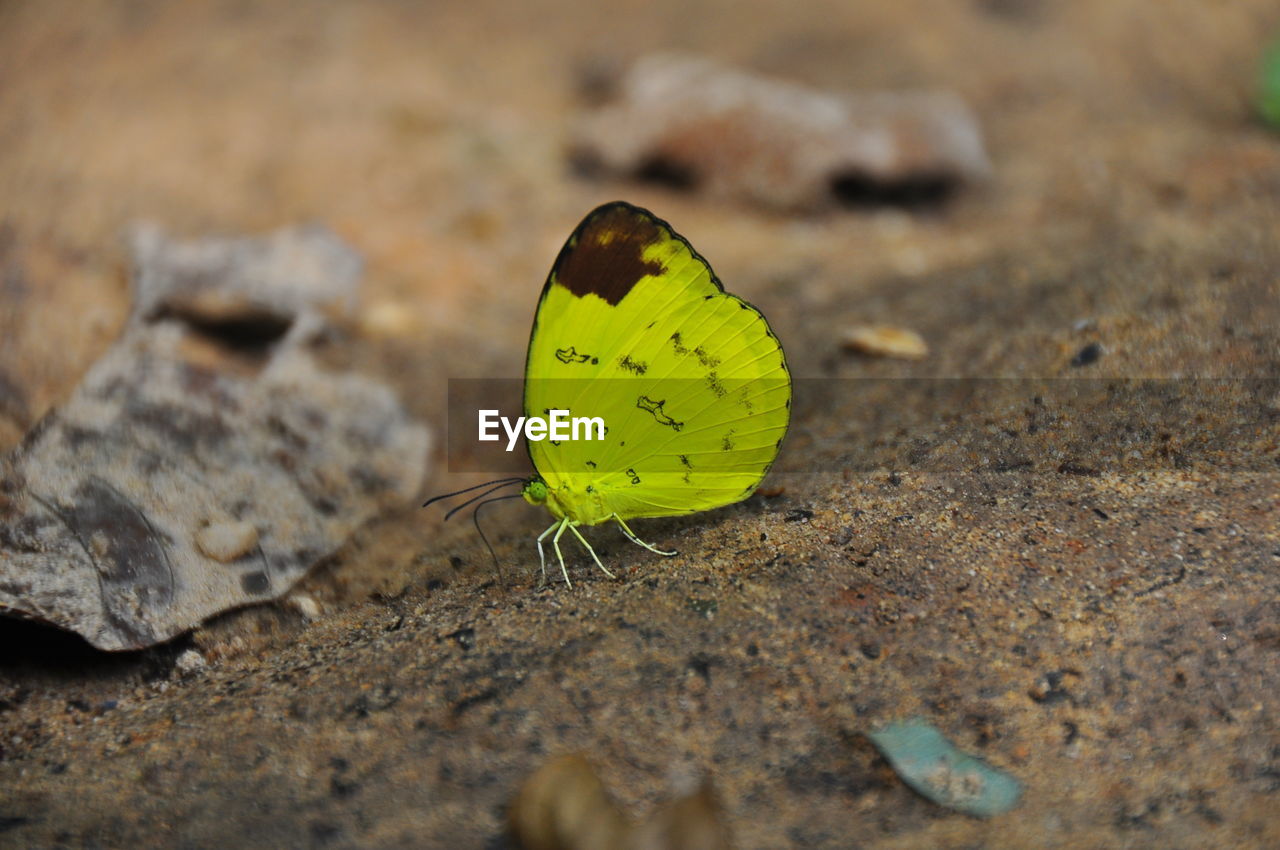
x=633, y=327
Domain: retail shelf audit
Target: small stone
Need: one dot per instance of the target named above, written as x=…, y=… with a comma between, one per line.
x=227, y=541
x=1089, y=354
x=886, y=341
x=190, y=663
x=305, y=605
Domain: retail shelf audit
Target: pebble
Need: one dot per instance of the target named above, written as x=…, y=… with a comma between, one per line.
x=886, y=341
x=227, y=541
x=306, y=605
x=190, y=663
x=1089, y=354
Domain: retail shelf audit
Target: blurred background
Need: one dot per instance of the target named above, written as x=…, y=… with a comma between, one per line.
x=433, y=137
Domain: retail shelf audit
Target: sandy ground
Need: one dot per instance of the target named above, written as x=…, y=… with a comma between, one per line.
x=1072, y=571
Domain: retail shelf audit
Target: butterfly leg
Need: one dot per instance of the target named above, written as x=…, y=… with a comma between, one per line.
x=573, y=526
x=542, y=558
x=555, y=544
x=636, y=540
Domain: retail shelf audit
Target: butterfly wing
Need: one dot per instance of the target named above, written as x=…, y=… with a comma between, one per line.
x=693, y=387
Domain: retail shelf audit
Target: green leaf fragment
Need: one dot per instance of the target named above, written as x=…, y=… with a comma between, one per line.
x=1269, y=85
x=935, y=769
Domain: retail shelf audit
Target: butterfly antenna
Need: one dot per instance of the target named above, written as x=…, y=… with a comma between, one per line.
x=488, y=492
x=503, y=481
x=475, y=517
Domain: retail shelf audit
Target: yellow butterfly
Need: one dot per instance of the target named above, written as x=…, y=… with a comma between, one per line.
x=633, y=327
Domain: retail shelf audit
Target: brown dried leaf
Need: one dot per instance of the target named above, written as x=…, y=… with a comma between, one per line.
x=564, y=806
x=695, y=822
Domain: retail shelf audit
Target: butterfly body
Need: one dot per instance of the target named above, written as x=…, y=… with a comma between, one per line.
x=693, y=387
x=566, y=502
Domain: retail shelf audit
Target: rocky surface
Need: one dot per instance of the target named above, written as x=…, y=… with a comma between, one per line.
x=205, y=462
x=1052, y=543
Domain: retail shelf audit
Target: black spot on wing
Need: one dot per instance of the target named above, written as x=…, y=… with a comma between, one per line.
x=636, y=367
x=571, y=355
x=655, y=407
x=709, y=361
x=713, y=382
x=605, y=255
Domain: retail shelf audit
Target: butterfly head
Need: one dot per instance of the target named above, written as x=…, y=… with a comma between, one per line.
x=535, y=491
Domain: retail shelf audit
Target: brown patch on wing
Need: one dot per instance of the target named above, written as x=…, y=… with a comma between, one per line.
x=605, y=256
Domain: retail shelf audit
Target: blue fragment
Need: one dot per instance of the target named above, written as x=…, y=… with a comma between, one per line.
x=935, y=769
